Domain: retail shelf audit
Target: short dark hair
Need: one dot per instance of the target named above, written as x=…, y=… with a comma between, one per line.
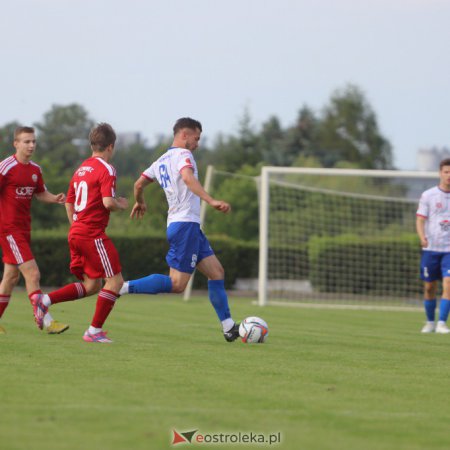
x=444, y=162
x=186, y=122
x=102, y=136
x=19, y=130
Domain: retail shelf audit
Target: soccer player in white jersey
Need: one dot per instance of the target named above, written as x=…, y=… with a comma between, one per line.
x=433, y=228
x=176, y=172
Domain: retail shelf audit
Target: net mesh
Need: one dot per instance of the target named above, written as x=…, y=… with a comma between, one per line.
x=344, y=239
x=331, y=238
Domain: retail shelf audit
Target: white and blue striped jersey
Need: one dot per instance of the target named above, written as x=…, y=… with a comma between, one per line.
x=434, y=206
x=184, y=205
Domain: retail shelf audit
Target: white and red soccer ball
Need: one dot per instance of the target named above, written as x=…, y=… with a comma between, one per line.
x=253, y=330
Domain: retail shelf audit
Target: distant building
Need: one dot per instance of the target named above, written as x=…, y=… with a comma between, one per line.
x=125, y=140
x=428, y=159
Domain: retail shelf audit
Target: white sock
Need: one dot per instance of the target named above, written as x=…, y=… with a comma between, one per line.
x=227, y=324
x=46, y=300
x=124, y=288
x=93, y=330
x=48, y=319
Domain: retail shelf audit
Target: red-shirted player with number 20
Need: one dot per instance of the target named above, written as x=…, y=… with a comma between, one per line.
x=20, y=181
x=90, y=199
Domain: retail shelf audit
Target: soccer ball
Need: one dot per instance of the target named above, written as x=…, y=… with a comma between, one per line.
x=253, y=330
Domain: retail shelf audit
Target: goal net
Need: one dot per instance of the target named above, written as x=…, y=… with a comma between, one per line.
x=340, y=235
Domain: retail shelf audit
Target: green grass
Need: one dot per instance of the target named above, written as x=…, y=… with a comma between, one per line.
x=325, y=379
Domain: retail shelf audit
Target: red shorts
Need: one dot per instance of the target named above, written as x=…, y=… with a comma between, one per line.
x=95, y=257
x=16, y=248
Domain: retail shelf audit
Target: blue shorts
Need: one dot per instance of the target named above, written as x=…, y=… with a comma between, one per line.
x=187, y=246
x=434, y=265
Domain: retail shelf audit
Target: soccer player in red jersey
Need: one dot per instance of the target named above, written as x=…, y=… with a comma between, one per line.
x=21, y=180
x=90, y=199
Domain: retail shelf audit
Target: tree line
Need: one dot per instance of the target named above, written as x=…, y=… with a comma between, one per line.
x=345, y=133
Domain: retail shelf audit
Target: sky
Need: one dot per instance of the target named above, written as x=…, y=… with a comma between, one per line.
x=141, y=64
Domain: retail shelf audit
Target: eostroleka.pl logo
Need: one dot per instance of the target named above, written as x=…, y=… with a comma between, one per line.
x=196, y=437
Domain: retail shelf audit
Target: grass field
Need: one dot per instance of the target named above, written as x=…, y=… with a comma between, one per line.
x=325, y=379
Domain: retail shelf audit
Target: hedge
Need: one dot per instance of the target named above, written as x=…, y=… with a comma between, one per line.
x=346, y=263
x=357, y=265
x=283, y=257
x=141, y=256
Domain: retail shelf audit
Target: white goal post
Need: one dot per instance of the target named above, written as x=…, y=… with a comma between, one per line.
x=343, y=235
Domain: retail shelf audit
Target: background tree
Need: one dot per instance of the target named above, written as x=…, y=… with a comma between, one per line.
x=63, y=136
x=232, y=152
x=345, y=134
x=132, y=160
x=7, y=139
x=270, y=142
x=348, y=131
x=299, y=139
x=241, y=191
x=62, y=144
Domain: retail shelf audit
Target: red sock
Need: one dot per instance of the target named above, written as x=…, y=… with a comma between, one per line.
x=105, y=303
x=4, y=302
x=70, y=292
x=33, y=295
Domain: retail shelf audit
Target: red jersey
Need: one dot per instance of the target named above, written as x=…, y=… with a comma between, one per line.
x=92, y=181
x=18, y=183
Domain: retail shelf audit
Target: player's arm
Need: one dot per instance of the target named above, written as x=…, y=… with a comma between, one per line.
x=187, y=174
x=140, y=206
x=48, y=197
x=70, y=210
x=107, y=191
x=420, y=228
x=115, y=204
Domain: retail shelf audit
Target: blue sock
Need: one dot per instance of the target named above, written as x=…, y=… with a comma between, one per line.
x=430, y=308
x=153, y=284
x=218, y=298
x=444, y=308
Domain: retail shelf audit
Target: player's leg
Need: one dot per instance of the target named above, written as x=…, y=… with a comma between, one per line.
x=444, y=304
x=211, y=267
x=102, y=258
x=151, y=284
x=430, y=273
x=85, y=256
x=181, y=258
x=179, y=280
x=9, y=281
x=70, y=292
x=17, y=256
x=85, y=287
x=429, y=303
x=31, y=274
x=17, y=251
x=105, y=303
